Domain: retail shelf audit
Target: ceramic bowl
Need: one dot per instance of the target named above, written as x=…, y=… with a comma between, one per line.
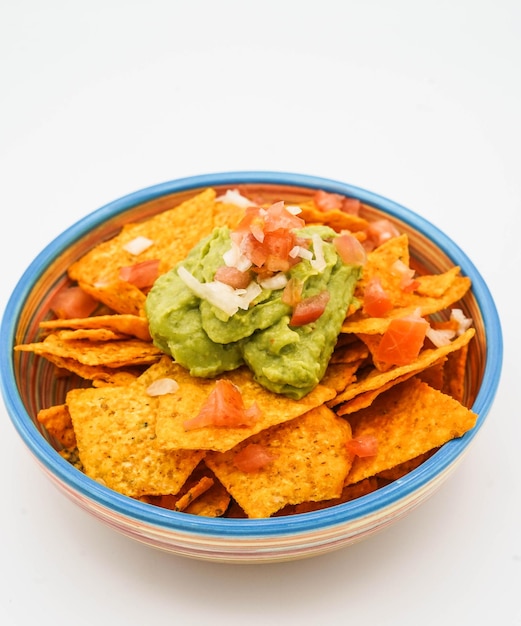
x=29, y=384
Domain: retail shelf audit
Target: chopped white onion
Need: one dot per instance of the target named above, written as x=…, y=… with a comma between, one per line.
x=235, y=258
x=138, y=245
x=301, y=252
x=234, y=196
x=319, y=262
x=464, y=323
x=220, y=295
x=162, y=386
x=277, y=281
x=293, y=209
x=441, y=337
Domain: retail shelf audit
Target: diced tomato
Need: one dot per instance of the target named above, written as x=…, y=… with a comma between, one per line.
x=350, y=250
x=363, y=446
x=292, y=293
x=225, y=408
x=379, y=232
x=327, y=201
x=309, y=309
x=73, y=302
x=142, y=274
x=351, y=206
x=402, y=341
x=254, y=250
x=267, y=236
x=272, y=254
x=253, y=458
x=278, y=217
x=278, y=244
x=233, y=277
x=376, y=302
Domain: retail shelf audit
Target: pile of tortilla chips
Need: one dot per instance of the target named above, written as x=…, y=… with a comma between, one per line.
x=133, y=441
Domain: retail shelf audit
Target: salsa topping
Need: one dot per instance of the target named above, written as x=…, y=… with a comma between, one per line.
x=271, y=293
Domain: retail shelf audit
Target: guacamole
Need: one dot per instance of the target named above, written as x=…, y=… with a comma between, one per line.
x=208, y=340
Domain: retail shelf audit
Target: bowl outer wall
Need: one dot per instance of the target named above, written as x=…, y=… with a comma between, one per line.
x=248, y=528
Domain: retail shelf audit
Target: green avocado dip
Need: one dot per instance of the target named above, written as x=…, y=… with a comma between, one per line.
x=188, y=321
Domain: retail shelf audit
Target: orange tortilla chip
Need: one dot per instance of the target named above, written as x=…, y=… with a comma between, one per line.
x=404, y=468
x=111, y=354
x=174, y=409
x=408, y=420
x=133, y=325
x=435, y=293
x=339, y=375
x=374, y=380
x=336, y=219
x=202, y=495
x=365, y=399
x=310, y=463
x=88, y=334
x=57, y=421
x=172, y=233
x=117, y=444
x=349, y=492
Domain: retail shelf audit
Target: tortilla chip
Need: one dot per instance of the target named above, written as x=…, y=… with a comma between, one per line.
x=339, y=375
x=115, y=432
x=365, y=399
x=350, y=351
x=454, y=374
x=89, y=334
x=349, y=492
x=310, y=463
x=174, y=409
x=374, y=379
x=112, y=354
x=408, y=420
x=57, y=421
x=336, y=219
x=133, y=325
x=434, y=293
x=398, y=471
x=434, y=375
x=173, y=233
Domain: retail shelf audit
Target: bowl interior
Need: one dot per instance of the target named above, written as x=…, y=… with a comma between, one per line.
x=30, y=383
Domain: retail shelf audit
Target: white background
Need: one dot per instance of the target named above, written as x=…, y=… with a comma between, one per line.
x=417, y=101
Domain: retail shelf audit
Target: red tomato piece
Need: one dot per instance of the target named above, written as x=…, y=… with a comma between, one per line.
x=225, y=408
x=376, y=302
x=233, y=277
x=381, y=231
x=254, y=250
x=253, y=458
x=350, y=250
x=73, y=302
x=278, y=217
x=141, y=274
x=278, y=244
x=363, y=446
x=327, y=201
x=351, y=206
x=309, y=309
x=402, y=341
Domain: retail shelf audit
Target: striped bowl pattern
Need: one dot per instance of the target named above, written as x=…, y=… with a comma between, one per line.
x=29, y=383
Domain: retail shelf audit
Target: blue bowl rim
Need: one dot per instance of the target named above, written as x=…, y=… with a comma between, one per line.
x=244, y=528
